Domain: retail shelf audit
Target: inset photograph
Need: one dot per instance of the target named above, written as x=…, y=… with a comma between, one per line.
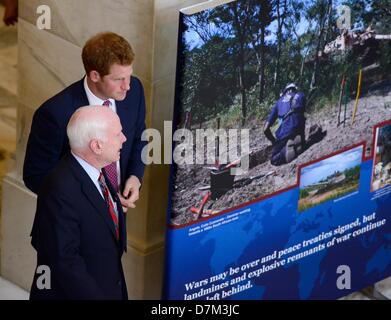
x=330, y=178
x=301, y=87
x=381, y=176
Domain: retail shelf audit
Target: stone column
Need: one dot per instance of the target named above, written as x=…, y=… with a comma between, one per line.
x=50, y=60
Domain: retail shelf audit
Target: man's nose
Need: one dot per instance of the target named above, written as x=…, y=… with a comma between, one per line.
x=125, y=85
x=123, y=138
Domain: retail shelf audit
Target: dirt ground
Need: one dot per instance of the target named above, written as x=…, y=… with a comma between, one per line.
x=374, y=107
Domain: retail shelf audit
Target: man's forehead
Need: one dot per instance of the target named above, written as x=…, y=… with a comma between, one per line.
x=117, y=69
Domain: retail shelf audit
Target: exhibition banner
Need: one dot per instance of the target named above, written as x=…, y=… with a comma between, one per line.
x=281, y=182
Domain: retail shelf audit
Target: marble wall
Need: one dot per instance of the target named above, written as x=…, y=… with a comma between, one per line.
x=49, y=60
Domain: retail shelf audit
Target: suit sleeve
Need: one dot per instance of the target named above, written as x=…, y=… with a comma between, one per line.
x=136, y=166
x=44, y=148
x=273, y=115
x=59, y=241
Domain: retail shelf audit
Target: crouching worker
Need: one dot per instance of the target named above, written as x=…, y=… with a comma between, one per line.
x=289, y=138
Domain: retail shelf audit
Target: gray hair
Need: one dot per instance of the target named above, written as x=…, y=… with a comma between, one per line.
x=86, y=124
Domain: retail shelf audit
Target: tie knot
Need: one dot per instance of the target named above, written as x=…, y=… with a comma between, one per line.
x=106, y=103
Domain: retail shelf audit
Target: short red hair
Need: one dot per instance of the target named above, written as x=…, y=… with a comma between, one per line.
x=105, y=49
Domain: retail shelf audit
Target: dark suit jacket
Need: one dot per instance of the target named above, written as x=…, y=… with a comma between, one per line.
x=48, y=140
x=74, y=236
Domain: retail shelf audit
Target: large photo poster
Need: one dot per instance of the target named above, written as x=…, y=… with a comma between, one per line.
x=296, y=97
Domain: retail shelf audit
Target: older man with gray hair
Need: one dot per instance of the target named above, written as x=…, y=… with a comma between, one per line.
x=79, y=227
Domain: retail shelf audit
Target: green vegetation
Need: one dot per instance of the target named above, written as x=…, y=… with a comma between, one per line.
x=352, y=174
x=304, y=193
x=305, y=204
x=313, y=195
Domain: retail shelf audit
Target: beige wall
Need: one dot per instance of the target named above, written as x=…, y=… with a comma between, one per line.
x=49, y=60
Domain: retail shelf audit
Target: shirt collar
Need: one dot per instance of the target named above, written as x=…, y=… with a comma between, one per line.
x=93, y=99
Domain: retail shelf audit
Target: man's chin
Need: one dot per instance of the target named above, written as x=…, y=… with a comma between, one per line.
x=120, y=97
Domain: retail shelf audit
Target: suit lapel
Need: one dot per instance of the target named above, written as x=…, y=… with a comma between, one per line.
x=92, y=194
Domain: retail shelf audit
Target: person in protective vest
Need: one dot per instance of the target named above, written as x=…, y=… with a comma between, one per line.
x=289, y=138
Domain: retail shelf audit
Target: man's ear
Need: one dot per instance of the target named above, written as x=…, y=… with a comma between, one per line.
x=96, y=146
x=94, y=76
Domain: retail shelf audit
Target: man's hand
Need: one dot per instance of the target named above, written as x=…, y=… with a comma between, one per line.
x=268, y=133
x=131, y=193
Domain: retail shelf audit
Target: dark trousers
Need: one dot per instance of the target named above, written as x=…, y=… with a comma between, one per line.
x=278, y=152
x=279, y=149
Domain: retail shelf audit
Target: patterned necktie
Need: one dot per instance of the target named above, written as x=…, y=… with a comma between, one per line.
x=109, y=202
x=111, y=169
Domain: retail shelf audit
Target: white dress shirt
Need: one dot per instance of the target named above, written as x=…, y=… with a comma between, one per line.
x=93, y=100
x=94, y=174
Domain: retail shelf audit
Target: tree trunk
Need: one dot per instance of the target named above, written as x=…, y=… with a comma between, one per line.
x=243, y=94
x=264, y=21
x=280, y=24
x=262, y=65
x=322, y=24
x=277, y=66
x=241, y=62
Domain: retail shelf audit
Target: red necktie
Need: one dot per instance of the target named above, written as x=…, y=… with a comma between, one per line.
x=109, y=202
x=111, y=169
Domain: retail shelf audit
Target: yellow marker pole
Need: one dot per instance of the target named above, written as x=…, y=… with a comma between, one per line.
x=358, y=95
